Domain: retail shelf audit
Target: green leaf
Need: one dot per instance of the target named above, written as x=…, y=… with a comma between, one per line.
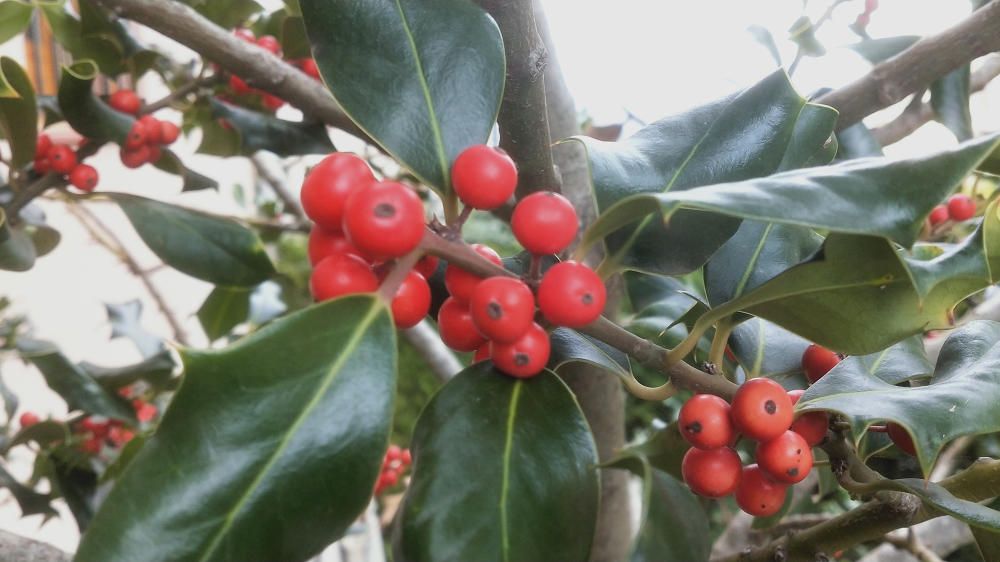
x=743, y=136
x=878, y=50
x=960, y=398
x=88, y=115
x=208, y=247
x=223, y=310
x=269, y=450
x=950, y=100
x=569, y=346
x=14, y=18
x=65, y=28
x=30, y=501
x=988, y=543
x=125, y=458
x=76, y=387
x=535, y=491
x=803, y=34
x=263, y=132
x=857, y=141
x=126, y=322
x=294, y=41
x=17, y=252
x=664, y=450
x=764, y=37
x=157, y=370
x=813, y=141
x=45, y=433
x=423, y=79
x=193, y=181
x=44, y=238
x=765, y=349
x=76, y=482
x=18, y=112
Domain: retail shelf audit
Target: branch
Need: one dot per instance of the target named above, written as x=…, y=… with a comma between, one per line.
x=915, y=68
x=29, y=550
x=436, y=354
x=179, y=94
x=278, y=186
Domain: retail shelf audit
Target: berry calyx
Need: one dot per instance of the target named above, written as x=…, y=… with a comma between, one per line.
x=169, y=132
x=84, y=177
x=817, y=361
x=758, y=494
x=329, y=184
x=28, y=419
x=456, y=328
x=384, y=220
x=525, y=357
x=133, y=158
x=484, y=177
x=125, y=101
x=786, y=458
x=705, y=423
x=761, y=409
x=412, y=301
x=502, y=308
x=459, y=282
x=544, y=223
x=712, y=473
x=811, y=426
x=323, y=244
x=571, y=294
x=62, y=159
x=342, y=274
x=901, y=438
x=938, y=215
x=961, y=207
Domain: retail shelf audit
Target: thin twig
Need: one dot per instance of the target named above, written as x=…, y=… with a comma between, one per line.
x=278, y=186
x=179, y=94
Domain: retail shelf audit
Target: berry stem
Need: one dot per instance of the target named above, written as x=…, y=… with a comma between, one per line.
x=535, y=269
x=716, y=355
x=396, y=276
x=450, y=203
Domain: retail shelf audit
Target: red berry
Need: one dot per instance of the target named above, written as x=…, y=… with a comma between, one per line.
x=938, y=215
x=133, y=158
x=323, y=244
x=393, y=453
x=42, y=165
x=125, y=101
x=484, y=177
x=544, y=223
x=342, y=274
x=99, y=428
x=144, y=411
x=758, y=494
x=169, y=132
x=459, y=282
x=245, y=34
x=28, y=419
x=704, y=422
x=329, y=183
x=482, y=353
x=571, y=295
x=503, y=308
x=137, y=135
x=270, y=43
x=811, y=426
x=239, y=86
x=712, y=473
x=84, y=177
x=412, y=301
x=761, y=409
x=384, y=220
x=456, y=327
x=862, y=20
x=817, y=362
x=120, y=436
x=901, y=438
x=961, y=207
x=309, y=67
x=154, y=153
x=406, y=457
x=427, y=265
x=42, y=146
x=787, y=457
x=525, y=357
x=62, y=159
x=92, y=445
x=153, y=129
x=272, y=102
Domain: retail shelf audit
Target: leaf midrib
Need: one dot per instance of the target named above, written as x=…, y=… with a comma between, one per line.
x=505, y=480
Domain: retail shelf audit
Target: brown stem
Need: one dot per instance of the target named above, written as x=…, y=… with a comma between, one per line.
x=400, y=269
x=179, y=94
x=289, y=202
x=30, y=193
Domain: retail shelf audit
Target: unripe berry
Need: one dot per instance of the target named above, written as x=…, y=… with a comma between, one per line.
x=459, y=282
x=323, y=244
x=384, y=220
x=84, y=177
x=62, y=159
x=525, y=357
x=712, y=473
x=28, y=419
x=456, y=328
x=786, y=458
x=484, y=177
x=571, y=295
x=817, y=361
x=342, y=274
x=704, y=422
x=761, y=409
x=901, y=438
x=412, y=301
x=329, y=184
x=758, y=494
x=961, y=207
x=938, y=215
x=502, y=308
x=169, y=132
x=544, y=223
x=811, y=426
x=137, y=136
x=133, y=158
x=125, y=101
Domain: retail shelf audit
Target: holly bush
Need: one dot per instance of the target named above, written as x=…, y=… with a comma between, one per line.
x=753, y=268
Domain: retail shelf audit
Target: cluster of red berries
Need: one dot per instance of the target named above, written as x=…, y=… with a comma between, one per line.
x=269, y=43
x=147, y=135
x=396, y=462
x=960, y=208
x=96, y=431
x=63, y=160
x=362, y=223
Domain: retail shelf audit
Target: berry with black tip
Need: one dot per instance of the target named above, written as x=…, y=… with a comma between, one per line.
x=459, y=282
x=384, y=220
x=525, y=357
x=761, y=409
x=758, y=494
x=503, y=308
x=705, y=423
x=125, y=101
x=84, y=177
x=787, y=457
x=571, y=294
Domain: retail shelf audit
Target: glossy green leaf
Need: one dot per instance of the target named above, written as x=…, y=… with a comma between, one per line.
x=764, y=37
x=87, y=114
x=535, y=491
x=765, y=349
x=423, y=79
x=65, y=27
x=294, y=41
x=878, y=50
x=17, y=252
x=208, y=247
x=192, y=180
x=76, y=387
x=269, y=450
x=157, y=370
x=960, y=398
x=7, y=397
x=76, y=482
x=664, y=450
x=125, y=457
x=14, y=18
x=988, y=543
x=43, y=237
x=569, y=346
x=223, y=310
x=857, y=141
x=126, y=322
x=30, y=501
x=950, y=100
x=45, y=433
x=259, y=131
x=676, y=154
x=18, y=113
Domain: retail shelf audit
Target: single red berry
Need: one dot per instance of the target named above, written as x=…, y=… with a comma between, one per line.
x=427, y=265
x=862, y=20
x=406, y=457
x=482, y=353
x=310, y=68
x=84, y=177
x=571, y=295
x=125, y=101
x=456, y=327
x=342, y=274
x=41, y=165
x=704, y=422
x=393, y=453
x=761, y=409
x=28, y=419
x=137, y=135
x=98, y=427
x=384, y=220
x=169, y=132
x=239, y=86
x=459, y=282
x=712, y=473
x=901, y=438
x=938, y=215
x=758, y=494
x=42, y=146
x=961, y=207
x=787, y=457
x=544, y=223
x=270, y=43
x=120, y=436
x=817, y=362
x=328, y=185
x=323, y=244
x=811, y=426
x=133, y=158
x=153, y=129
x=144, y=411
x=484, y=177
x=525, y=357
x=245, y=34
x=503, y=308
x=92, y=445
x=412, y=301
x=272, y=102
x=62, y=159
